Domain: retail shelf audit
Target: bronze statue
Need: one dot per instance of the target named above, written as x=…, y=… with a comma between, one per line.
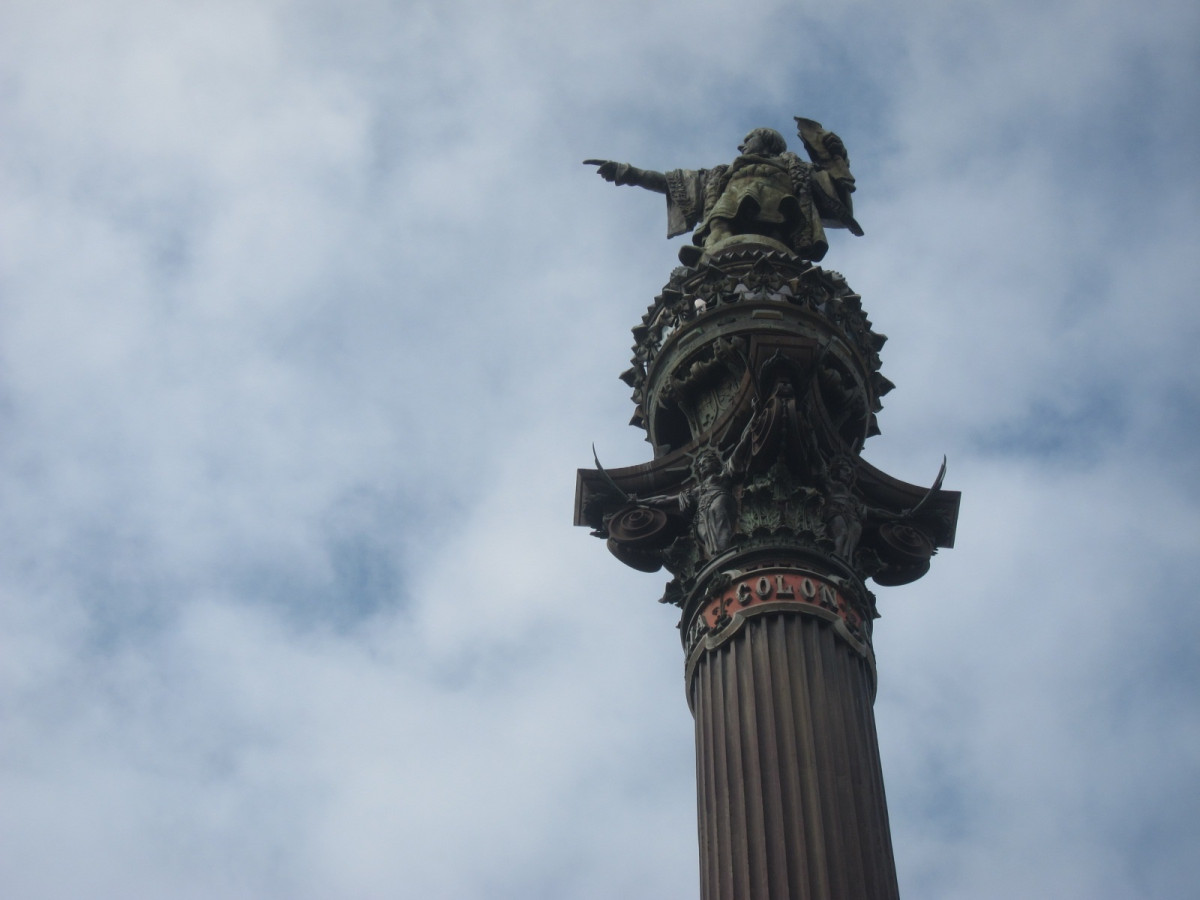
x=845, y=512
x=709, y=502
x=767, y=191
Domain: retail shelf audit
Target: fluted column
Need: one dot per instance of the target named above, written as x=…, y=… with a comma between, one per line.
x=790, y=790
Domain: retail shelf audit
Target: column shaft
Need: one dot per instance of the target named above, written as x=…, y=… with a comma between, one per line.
x=790, y=789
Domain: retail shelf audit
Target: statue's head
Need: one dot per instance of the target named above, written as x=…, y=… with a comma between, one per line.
x=708, y=463
x=784, y=389
x=842, y=470
x=763, y=142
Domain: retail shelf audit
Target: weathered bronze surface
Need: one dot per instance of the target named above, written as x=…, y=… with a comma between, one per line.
x=756, y=376
x=767, y=191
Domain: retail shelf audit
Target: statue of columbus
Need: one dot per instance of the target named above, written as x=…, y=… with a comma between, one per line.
x=767, y=191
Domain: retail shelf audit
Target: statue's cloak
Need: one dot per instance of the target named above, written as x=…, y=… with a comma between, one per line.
x=781, y=195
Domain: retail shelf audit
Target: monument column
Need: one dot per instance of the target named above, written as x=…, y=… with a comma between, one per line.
x=756, y=377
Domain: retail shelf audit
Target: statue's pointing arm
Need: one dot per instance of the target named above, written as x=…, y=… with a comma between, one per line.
x=684, y=189
x=624, y=173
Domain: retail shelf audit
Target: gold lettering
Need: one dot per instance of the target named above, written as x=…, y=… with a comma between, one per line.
x=829, y=597
x=743, y=593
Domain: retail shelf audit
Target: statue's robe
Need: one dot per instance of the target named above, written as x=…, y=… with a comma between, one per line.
x=714, y=510
x=778, y=196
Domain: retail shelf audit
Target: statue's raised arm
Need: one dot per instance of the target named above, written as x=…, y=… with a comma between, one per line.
x=832, y=182
x=767, y=192
x=624, y=173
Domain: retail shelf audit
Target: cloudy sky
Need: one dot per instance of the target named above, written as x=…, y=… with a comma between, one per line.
x=308, y=314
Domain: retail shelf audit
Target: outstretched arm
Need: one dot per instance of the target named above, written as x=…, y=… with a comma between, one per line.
x=624, y=173
x=662, y=501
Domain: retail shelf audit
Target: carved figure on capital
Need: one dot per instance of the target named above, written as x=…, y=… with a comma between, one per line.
x=846, y=517
x=844, y=511
x=766, y=191
x=710, y=501
x=780, y=429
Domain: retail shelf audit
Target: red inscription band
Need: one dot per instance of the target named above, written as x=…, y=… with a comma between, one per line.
x=778, y=586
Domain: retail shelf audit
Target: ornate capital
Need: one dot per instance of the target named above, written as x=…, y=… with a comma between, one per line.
x=756, y=376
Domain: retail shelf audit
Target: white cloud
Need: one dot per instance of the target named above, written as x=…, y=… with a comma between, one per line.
x=308, y=312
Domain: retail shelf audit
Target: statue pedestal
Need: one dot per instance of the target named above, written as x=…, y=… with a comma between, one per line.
x=691, y=255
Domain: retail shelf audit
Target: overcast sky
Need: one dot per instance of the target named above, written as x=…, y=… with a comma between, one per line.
x=309, y=313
